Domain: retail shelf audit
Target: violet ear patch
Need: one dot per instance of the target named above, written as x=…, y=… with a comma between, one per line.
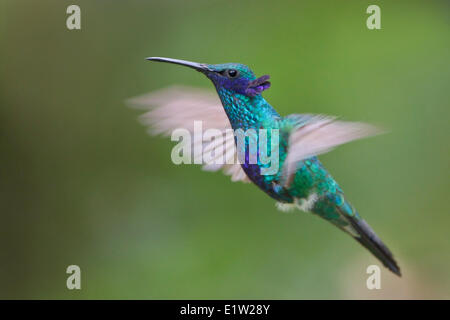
x=257, y=86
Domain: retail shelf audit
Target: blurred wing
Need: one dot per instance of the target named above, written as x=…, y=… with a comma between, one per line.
x=178, y=107
x=317, y=134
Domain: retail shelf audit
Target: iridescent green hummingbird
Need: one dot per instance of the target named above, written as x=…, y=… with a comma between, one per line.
x=302, y=181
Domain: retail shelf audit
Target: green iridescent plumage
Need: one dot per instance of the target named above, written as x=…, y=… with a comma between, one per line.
x=302, y=180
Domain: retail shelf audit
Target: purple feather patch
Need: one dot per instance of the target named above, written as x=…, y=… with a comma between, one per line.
x=257, y=86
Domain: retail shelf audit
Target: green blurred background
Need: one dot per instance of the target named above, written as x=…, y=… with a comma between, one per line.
x=82, y=183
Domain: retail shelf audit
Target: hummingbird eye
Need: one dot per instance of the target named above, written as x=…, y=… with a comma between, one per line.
x=231, y=73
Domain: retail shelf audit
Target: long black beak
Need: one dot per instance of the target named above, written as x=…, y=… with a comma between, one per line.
x=197, y=66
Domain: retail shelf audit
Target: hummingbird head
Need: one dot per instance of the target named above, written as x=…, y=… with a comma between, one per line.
x=234, y=78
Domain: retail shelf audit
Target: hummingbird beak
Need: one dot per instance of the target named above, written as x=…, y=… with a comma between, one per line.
x=194, y=65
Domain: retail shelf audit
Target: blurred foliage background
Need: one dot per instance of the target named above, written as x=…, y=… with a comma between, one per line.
x=82, y=183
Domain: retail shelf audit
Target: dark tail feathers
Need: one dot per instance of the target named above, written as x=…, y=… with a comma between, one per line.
x=370, y=240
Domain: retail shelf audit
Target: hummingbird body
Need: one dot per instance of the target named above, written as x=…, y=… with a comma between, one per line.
x=313, y=188
x=302, y=181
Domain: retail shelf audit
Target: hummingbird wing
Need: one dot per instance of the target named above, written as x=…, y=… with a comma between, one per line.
x=178, y=107
x=311, y=135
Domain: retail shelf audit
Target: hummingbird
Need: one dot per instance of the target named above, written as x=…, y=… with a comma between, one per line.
x=302, y=181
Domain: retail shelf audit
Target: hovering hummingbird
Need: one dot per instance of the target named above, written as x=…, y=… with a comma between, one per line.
x=302, y=181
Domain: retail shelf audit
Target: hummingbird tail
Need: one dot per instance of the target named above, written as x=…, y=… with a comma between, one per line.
x=372, y=242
